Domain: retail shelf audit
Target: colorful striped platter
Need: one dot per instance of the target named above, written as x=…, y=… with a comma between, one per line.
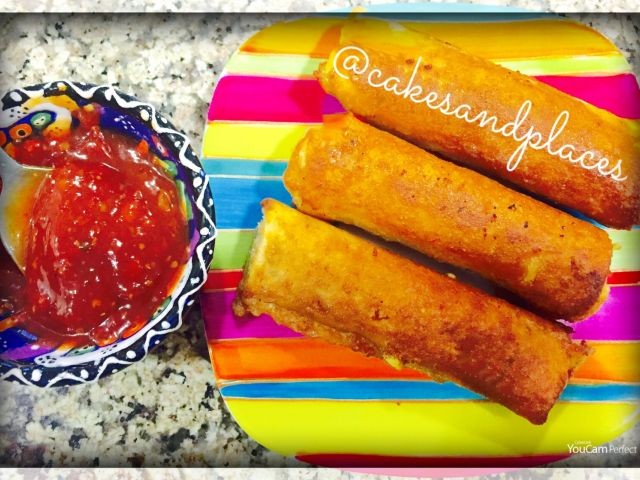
x=330, y=406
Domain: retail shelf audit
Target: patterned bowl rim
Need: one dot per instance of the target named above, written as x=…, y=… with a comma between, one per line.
x=60, y=370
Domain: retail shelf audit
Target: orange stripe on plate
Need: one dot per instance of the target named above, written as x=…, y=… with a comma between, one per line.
x=310, y=358
x=315, y=37
x=612, y=361
x=296, y=358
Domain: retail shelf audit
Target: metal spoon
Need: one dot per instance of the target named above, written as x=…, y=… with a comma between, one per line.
x=19, y=186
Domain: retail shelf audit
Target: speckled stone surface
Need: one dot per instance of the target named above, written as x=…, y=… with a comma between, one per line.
x=291, y=5
x=298, y=473
x=164, y=411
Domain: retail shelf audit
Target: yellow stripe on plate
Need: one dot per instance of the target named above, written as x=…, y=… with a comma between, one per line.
x=264, y=141
x=520, y=39
x=425, y=428
x=317, y=36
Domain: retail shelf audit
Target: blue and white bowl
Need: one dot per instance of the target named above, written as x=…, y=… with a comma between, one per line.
x=22, y=357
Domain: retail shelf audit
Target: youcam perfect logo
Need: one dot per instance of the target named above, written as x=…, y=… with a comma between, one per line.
x=588, y=447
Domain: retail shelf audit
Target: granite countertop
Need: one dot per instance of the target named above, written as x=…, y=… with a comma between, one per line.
x=292, y=5
x=164, y=411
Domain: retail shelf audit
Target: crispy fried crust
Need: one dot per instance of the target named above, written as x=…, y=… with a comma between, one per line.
x=486, y=86
x=354, y=173
x=322, y=281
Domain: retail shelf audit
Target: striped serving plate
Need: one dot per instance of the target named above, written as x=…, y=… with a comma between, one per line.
x=328, y=405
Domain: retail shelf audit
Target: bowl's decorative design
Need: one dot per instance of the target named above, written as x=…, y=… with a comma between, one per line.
x=48, y=107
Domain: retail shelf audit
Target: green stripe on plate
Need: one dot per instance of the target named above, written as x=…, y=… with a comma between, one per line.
x=584, y=64
x=294, y=66
x=232, y=249
x=272, y=65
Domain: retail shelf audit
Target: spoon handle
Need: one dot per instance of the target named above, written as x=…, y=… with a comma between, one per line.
x=9, y=168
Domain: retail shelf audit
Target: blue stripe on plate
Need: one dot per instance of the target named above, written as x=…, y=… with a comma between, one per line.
x=225, y=166
x=237, y=200
x=408, y=390
x=593, y=222
x=451, y=12
x=460, y=15
x=274, y=168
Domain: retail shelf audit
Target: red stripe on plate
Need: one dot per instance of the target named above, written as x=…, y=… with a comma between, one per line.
x=623, y=278
x=346, y=460
x=618, y=94
x=269, y=99
x=616, y=320
x=221, y=323
x=228, y=279
x=218, y=280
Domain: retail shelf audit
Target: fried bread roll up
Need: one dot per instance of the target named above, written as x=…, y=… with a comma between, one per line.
x=325, y=282
x=354, y=173
x=489, y=118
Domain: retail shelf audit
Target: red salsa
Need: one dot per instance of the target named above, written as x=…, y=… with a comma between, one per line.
x=12, y=285
x=108, y=236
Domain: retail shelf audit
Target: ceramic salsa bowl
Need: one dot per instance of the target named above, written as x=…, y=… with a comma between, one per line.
x=22, y=357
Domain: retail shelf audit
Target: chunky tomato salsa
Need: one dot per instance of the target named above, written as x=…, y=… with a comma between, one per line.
x=108, y=236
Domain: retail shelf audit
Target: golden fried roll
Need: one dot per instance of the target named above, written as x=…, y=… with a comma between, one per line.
x=489, y=118
x=325, y=282
x=354, y=173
